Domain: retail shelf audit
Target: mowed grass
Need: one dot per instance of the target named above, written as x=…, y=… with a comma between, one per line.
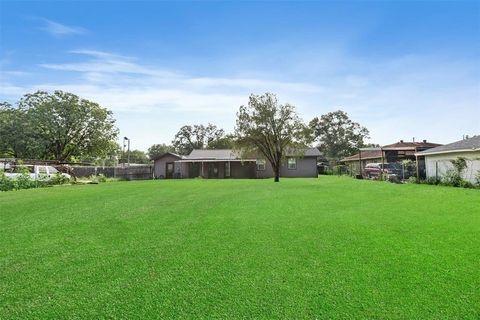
x=331, y=248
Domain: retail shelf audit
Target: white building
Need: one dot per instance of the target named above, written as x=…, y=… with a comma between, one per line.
x=438, y=160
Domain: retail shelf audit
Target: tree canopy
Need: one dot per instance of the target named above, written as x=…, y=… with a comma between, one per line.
x=136, y=156
x=264, y=126
x=59, y=126
x=197, y=137
x=338, y=136
x=158, y=150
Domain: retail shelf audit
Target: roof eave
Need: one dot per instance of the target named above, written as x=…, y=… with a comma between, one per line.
x=427, y=153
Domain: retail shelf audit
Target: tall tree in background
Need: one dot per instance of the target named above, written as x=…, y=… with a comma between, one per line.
x=158, y=150
x=266, y=127
x=58, y=126
x=136, y=156
x=196, y=137
x=338, y=135
x=15, y=141
x=225, y=142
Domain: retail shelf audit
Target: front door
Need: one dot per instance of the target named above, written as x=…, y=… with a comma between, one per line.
x=213, y=170
x=169, y=170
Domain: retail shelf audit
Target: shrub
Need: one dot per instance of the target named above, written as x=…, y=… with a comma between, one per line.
x=477, y=178
x=467, y=184
x=452, y=178
x=98, y=178
x=58, y=179
x=412, y=180
x=6, y=184
x=459, y=164
x=432, y=180
x=340, y=170
x=23, y=181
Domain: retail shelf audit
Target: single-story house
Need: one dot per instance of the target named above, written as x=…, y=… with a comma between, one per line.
x=391, y=153
x=438, y=160
x=225, y=163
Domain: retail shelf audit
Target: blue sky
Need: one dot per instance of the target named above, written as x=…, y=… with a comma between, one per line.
x=402, y=69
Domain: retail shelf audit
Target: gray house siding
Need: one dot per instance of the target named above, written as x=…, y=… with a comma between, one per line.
x=306, y=167
x=242, y=170
x=160, y=165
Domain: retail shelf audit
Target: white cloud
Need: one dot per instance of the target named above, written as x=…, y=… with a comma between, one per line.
x=397, y=99
x=60, y=30
x=123, y=84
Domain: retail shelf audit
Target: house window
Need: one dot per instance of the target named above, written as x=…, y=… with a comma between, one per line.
x=260, y=164
x=227, y=169
x=292, y=163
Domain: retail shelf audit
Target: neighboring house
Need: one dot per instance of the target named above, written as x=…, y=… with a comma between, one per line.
x=220, y=164
x=361, y=159
x=391, y=153
x=438, y=160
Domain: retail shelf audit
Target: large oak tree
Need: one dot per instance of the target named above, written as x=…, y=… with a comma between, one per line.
x=158, y=150
x=197, y=137
x=60, y=126
x=338, y=136
x=264, y=126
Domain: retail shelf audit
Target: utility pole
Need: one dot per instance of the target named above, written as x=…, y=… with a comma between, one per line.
x=128, y=150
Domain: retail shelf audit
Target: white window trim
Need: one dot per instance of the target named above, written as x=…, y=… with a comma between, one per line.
x=261, y=167
x=288, y=163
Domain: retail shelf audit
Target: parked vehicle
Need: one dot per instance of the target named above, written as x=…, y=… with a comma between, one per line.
x=373, y=170
x=35, y=172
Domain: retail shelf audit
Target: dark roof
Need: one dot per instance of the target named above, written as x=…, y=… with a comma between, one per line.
x=310, y=152
x=366, y=154
x=214, y=154
x=169, y=153
x=470, y=144
x=414, y=146
x=228, y=154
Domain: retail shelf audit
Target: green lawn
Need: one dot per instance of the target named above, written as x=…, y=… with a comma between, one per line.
x=303, y=248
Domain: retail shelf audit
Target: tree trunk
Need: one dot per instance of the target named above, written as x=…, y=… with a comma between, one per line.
x=277, y=173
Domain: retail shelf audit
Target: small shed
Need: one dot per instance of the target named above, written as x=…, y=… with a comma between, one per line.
x=166, y=167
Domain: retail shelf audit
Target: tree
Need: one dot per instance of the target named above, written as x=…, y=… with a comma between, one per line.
x=265, y=127
x=136, y=156
x=7, y=130
x=226, y=142
x=158, y=150
x=63, y=126
x=338, y=136
x=196, y=137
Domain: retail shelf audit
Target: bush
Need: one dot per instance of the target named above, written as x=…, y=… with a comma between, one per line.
x=58, y=179
x=23, y=181
x=6, y=184
x=477, y=178
x=340, y=170
x=467, y=184
x=98, y=178
x=412, y=180
x=452, y=178
x=433, y=181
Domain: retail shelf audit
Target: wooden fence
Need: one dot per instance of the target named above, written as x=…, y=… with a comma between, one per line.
x=127, y=173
